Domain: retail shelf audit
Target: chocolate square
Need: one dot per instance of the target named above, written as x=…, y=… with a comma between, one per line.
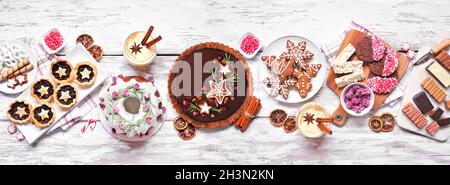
x=436, y=114
x=443, y=122
x=422, y=102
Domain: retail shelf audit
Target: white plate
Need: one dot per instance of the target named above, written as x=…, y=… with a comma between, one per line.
x=77, y=55
x=31, y=75
x=276, y=48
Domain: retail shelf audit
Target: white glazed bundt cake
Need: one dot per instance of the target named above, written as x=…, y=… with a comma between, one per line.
x=132, y=107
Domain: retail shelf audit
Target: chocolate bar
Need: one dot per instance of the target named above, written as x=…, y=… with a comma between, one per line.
x=414, y=115
x=432, y=128
x=423, y=103
x=443, y=122
x=436, y=114
x=439, y=72
x=433, y=89
x=444, y=59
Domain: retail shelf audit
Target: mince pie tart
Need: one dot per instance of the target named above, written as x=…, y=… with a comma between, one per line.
x=43, y=115
x=19, y=111
x=66, y=95
x=61, y=71
x=42, y=90
x=85, y=74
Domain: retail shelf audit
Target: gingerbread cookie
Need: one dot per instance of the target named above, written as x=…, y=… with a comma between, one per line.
x=382, y=85
x=370, y=49
x=269, y=60
x=387, y=65
x=304, y=84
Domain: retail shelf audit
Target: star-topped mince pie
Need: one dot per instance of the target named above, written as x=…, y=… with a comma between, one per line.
x=42, y=90
x=61, y=71
x=85, y=74
x=43, y=115
x=66, y=96
x=19, y=111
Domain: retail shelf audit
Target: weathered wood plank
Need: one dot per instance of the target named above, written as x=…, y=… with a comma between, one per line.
x=183, y=24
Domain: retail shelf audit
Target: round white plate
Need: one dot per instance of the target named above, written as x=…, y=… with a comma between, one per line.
x=104, y=122
x=276, y=48
x=31, y=76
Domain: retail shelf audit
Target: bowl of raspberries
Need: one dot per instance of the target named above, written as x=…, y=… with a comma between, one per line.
x=357, y=99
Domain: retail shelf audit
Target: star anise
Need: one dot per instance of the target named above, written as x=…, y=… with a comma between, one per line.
x=309, y=118
x=135, y=48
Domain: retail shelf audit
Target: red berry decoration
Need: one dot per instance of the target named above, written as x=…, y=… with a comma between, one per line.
x=185, y=103
x=223, y=108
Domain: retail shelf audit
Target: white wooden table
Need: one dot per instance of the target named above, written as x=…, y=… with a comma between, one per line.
x=185, y=23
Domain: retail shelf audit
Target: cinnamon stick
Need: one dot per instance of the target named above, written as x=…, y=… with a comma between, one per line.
x=154, y=41
x=324, y=128
x=252, y=111
x=324, y=120
x=147, y=35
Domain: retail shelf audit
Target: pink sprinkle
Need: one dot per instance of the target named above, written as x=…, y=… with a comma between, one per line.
x=390, y=62
x=249, y=44
x=378, y=48
x=382, y=85
x=53, y=39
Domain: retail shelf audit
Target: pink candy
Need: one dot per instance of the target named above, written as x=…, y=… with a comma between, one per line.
x=357, y=98
x=405, y=47
x=249, y=44
x=53, y=40
x=410, y=54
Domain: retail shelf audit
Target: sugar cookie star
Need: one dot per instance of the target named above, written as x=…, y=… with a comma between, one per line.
x=43, y=90
x=218, y=91
x=61, y=71
x=43, y=114
x=21, y=111
x=85, y=73
x=204, y=108
x=65, y=95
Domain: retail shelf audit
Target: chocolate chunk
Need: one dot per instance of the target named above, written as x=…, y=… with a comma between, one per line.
x=422, y=102
x=436, y=114
x=443, y=122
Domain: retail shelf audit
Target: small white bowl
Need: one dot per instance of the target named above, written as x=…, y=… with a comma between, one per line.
x=245, y=54
x=46, y=48
x=366, y=110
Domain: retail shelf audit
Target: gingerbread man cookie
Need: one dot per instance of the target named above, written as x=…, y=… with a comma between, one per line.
x=304, y=84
